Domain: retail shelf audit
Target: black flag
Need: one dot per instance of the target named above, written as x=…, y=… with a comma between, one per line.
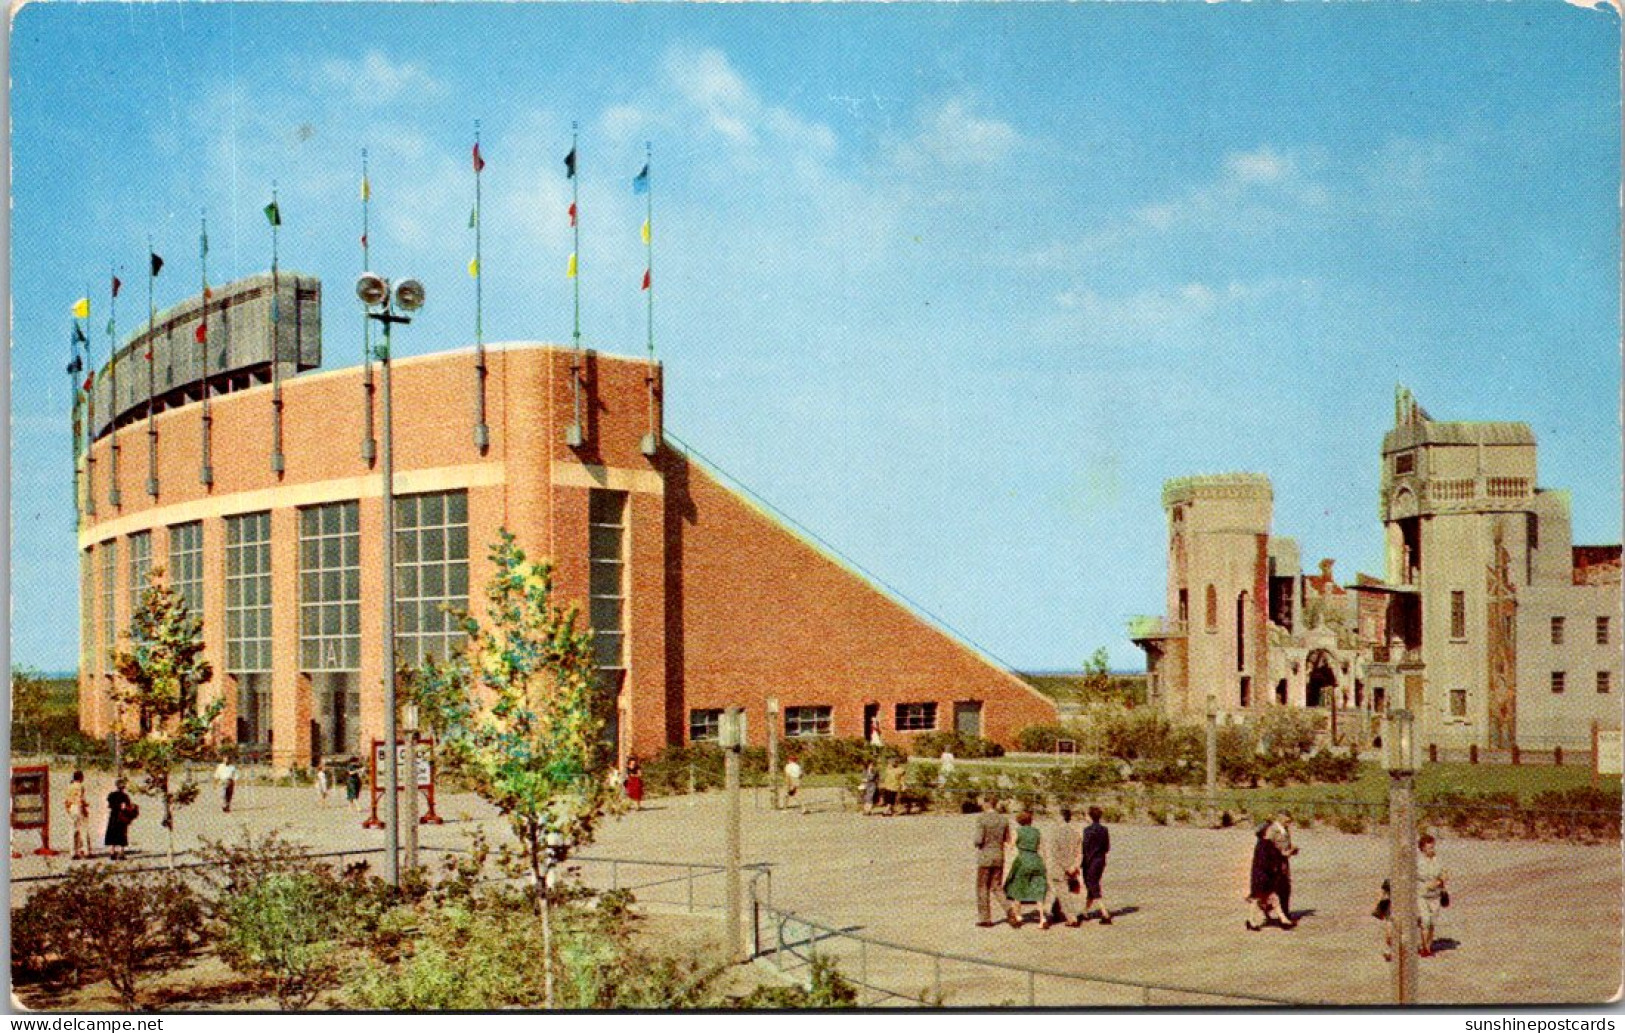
x=157, y=263
x=570, y=164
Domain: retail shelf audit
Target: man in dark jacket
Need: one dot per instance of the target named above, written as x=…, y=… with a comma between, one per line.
x=1097, y=843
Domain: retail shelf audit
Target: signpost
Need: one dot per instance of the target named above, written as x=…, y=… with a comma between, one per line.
x=425, y=778
x=1607, y=752
x=31, y=804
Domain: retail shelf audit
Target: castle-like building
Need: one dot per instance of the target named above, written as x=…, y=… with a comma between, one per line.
x=1487, y=623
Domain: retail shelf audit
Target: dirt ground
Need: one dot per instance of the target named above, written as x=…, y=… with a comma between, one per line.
x=1530, y=922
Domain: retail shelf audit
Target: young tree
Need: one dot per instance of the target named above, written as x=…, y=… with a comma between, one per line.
x=28, y=698
x=1099, y=685
x=518, y=713
x=160, y=675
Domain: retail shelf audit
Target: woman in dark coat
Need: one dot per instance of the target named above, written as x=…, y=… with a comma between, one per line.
x=1267, y=863
x=120, y=810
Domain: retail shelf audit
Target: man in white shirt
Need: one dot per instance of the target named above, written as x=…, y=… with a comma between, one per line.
x=792, y=779
x=226, y=775
x=1430, y=890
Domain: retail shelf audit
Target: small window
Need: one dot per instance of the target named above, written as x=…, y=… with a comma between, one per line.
x=1558, y=679
x=1184, y=605
x=1557, y=631
x=1605, y=682
x=1602, y=631
x=1458, y=702
x=1212, y=608
x=1405, y=462
x=1458, y=615
x=704, y=725
x=916, y=717
x=809, y=722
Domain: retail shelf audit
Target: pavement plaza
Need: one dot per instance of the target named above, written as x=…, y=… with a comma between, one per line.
x=1530, y=922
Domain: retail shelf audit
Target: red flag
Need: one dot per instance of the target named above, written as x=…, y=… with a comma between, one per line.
x=572, y=213
x=88, y=381
x=479, y=162
x=117, y=283
x=202, y=333
x=645, y=279
x=363, y=240
x=149, y=353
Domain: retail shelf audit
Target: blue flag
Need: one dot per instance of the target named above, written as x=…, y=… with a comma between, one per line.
x=640, y=182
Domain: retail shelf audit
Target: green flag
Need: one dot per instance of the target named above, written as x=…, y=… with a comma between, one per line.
x=473, y=217
x=273, y=214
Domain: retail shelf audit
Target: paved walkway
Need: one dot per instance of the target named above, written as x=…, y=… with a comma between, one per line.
x=1531, y=922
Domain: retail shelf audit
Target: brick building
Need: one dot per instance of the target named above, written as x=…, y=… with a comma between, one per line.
x=247, y=474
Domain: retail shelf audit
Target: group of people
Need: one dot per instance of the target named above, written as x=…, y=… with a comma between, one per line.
x=348, y=775
x=1270, y=889
x=883, y=787
x=1011, y=864
x=121, y=812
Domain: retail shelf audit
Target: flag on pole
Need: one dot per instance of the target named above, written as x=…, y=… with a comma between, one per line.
x=474, y=268
x=645, y=231
x=273, y=214
x=570, y=270
x=203, y=243
x=79, y=335
x=156, y=261
x=646, y=273
x=110, y=329
x=363, y=240
x=479, y=162
x=640, y=182
x=473, y=217
x=366, y=189
x=571, y=211
x=570, y=164
x=117, y=283
x=89, y=380
x=202, y=333
x=81, y=309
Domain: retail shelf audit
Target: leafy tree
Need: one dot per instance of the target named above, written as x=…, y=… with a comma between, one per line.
x=1099, y=685
x=29, y=693
x=518, y=715
x=159, y=679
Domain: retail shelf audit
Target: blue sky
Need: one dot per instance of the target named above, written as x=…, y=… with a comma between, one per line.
x=956, y=286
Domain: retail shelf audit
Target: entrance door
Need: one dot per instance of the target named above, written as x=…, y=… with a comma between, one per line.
x=968, y=718
x=871, y=717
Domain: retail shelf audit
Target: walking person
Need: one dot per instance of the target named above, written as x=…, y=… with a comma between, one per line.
x=634, y=783
x=945, y=767
x=1262, y=878
x=1280, y=833
x=77, y=803
x=323, y=783
x=226, y=774
x=121, y=811
x=1097, y=843
x=1025, y=884
x=352, y=785
x=891, y=783
x=1431, y=894
x=1065, y=844
x=871, y=786
x=992, y=829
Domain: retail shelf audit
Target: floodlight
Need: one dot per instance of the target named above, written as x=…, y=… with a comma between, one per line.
x=409, y=295
x=372, y=289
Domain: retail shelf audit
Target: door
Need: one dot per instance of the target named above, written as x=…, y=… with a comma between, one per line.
x=871, y=717
x=968, y=718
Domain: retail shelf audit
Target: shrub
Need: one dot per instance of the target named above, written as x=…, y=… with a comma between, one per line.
x=974, y=747
x=1075, y=781
x=669, y=771
x=116, y=927
x=1286, y=732
x=1042, y=738
x=826, y=988
x=285, y=928
x=836, y=756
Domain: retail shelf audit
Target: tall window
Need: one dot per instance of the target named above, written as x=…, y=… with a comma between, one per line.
x=431, y=573
x=248, y=623
x=1602, y=631
x=916, y=717
x=140, y=566
x=1557, y=631
x=330, y=587
x=1605, y=681
x=108, y=552
x=606, y=588
x=186, y=564
x=1458, y=702
x=809, y=722
x=1558, y=680
x=1458, y=614
x=87, y=613
x=1184, y=606
x=248, y=593
x=1212, y=608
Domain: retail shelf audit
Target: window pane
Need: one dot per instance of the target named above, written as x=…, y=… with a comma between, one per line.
x=605, y=578
x=431, y=510
x=457, y=507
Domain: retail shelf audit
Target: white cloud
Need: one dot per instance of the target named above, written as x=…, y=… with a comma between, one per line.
x=708, y=82
x=1260, y=166
x=950, y=134
x=375, y=79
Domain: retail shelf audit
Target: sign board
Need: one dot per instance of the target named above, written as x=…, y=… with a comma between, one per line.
x=380, y=761
x=1066, y=747
x=1610, y=755
x=30, y=797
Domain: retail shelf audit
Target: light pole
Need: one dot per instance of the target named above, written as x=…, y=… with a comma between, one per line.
x=1212, y=747
x=374, y=292
x=733, y=741
x=773, y=749
x=1399, y=757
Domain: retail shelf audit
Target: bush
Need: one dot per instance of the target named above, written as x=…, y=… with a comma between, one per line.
x=1286, y=732
x=285, y=928
x=669, y=772
x=1042, y=738
x=115, y=927
x=973, y=747
x=1076, y=781
x=826, y=988
x=836, y=756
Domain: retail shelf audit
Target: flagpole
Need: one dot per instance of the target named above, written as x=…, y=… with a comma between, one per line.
x=152, y=327
x=277, y=464
x=206, y=474
x=576, y=434
x=482, y=433
x=78, y=424
x=651, y=443
x=112, y=396
x=369, y=444
x=90, y=420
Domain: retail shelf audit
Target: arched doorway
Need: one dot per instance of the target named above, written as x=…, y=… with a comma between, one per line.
x=1322, y=680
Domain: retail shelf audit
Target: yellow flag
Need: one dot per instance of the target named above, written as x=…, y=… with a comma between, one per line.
x=646, y=231
x=366, y=189
x=474, y=268
x=570, y=270
x=81, y=308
